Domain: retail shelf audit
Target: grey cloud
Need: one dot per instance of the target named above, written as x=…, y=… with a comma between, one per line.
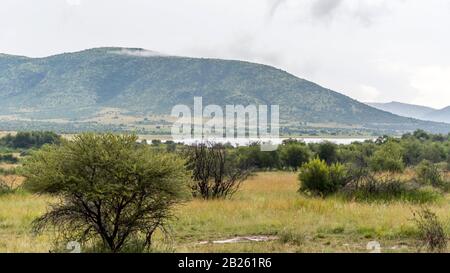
x=322, y=8
x=366, y=11
x=274, y=5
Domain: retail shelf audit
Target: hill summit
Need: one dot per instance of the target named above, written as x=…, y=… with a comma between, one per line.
x=78, y=86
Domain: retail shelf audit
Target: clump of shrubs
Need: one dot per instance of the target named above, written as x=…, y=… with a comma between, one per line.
x=431, y=230
x=371, y=187
x=318, y=178
x=8, y=158
x=429, y=174
x=389, y=158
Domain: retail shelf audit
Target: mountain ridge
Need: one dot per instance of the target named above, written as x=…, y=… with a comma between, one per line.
x=79, y=84
x=415, y=111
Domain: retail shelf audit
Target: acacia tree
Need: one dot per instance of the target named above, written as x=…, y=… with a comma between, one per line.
x=215, y=172
x=110, y=189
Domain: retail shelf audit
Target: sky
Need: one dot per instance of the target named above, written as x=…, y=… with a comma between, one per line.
x=370, y=50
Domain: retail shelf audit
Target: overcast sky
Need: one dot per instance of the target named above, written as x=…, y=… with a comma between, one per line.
x=371, y=50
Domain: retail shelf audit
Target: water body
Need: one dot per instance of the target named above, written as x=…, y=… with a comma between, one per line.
x=277, y=141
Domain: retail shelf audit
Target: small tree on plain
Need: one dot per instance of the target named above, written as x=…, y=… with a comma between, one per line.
x=110, y=189
x=216, y=174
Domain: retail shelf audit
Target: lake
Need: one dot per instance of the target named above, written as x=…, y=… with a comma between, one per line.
x=247, y=141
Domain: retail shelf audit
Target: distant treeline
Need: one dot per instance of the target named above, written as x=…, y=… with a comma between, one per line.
x=28, y=140
x=383, y=154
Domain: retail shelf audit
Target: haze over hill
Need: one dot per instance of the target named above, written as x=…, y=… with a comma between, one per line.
x=442, y=115
x=79, y=86
x=415, y=111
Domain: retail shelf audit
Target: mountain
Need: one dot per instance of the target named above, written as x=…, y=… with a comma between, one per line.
x=442, y=115
x=74, y=87
x=415, y=111
x=404, y=109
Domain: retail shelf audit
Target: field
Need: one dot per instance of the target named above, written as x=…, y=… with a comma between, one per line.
x=268, y=206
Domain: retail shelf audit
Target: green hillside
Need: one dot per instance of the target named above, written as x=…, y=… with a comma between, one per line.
x=77, y=85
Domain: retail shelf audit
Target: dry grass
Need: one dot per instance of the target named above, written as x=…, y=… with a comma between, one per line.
x=267, y=204
x=16, y=213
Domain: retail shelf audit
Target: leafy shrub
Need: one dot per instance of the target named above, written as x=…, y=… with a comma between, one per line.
x=317, y=178
x=388, y=158
x=156, y=142
x=428, y=174
x=294, y=155
x=369, y=187
x=412, y=151
x=171, y=146
x=257, y=159
x=356, y=155
x=338, y=175
x=8, y=158
x=434, y=152
x=327, y=151
x=26, y=140
x=431, y=230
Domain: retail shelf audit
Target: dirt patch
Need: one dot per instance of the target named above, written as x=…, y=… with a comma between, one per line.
x=241, y=239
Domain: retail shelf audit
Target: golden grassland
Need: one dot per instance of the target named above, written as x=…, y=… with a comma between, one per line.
x=267, y=204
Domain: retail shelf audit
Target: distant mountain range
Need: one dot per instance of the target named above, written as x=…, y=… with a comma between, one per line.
x=83, y=86
x=415, y=111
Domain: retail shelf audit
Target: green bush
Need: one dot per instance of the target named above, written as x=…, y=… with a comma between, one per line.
x=8, y=158
x=338, y=175
x=294, y=156
x=260, y=160
x=388, y=158
x=371, y=188
x=412, y=151
x=429, y=174
x=317, y=178
x=27, y=140
x=327, y=151
x=434, y=152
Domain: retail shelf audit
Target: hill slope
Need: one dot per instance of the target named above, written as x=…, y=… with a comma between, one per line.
x=404, y=109
x=414, y=111
x=442, y=115
x=78, y=85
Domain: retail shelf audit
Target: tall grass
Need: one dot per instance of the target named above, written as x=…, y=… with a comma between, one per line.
x=267, y=204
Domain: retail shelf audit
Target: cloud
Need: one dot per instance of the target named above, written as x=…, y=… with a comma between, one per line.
x=367, y=93
x=334, y=43
x=73, y=2
x=433, y=84
x=138, y=52
x=274, y=5
x=364, y=11
x=322, y=8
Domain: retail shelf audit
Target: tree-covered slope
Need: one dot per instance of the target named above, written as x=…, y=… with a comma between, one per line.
x=78, y=84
